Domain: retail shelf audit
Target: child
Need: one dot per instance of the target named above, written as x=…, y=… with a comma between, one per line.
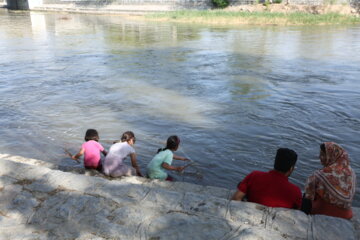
x=114, y=162
x=91, y=148
x=163, y=159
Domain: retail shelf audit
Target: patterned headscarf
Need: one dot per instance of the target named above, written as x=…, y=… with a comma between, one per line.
x=335, y=183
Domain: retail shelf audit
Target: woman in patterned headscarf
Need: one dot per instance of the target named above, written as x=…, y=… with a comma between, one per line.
x=332, y=188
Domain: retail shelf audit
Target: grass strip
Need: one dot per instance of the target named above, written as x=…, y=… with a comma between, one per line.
x=256, y=18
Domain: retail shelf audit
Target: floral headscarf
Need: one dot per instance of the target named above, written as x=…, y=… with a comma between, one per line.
x=335, y=183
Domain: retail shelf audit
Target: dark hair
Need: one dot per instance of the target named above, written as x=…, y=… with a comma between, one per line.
x=127, y=136
x=285, y=159
x=91, y=134
x=172, y=143
x=322, y=147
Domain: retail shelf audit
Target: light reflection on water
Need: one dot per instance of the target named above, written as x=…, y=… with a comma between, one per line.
x=233, y=95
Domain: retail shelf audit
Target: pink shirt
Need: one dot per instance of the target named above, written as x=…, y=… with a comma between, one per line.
x=92, y=151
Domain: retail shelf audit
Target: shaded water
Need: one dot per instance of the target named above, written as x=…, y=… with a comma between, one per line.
x=233, y=95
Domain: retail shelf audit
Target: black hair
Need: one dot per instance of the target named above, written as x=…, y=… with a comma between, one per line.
x=285, y=159
x=127, y=136
x=91, y=134
x=172, y=143
x=322, y=147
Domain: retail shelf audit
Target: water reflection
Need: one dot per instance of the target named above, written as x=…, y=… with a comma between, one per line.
x=233, y=95
x=38, y=26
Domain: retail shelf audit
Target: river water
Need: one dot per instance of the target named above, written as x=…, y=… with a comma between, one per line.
x=233, y=95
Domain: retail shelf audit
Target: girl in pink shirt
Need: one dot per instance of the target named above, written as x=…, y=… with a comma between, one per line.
x=91, y=150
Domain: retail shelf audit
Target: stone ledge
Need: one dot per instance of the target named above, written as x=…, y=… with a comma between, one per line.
x=37, y=202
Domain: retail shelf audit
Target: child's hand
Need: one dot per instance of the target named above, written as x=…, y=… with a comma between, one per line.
x=68, y=153
x=74, y=158
x=180, y=169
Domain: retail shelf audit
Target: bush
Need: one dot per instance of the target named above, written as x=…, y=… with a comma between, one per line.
x=277, y=1
x=220, y=3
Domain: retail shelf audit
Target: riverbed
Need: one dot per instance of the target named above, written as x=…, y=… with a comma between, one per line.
x=232, y=94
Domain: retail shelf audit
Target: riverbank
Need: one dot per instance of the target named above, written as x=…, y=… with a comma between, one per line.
x=186, y=12
x=275, y=14
x=39, y=201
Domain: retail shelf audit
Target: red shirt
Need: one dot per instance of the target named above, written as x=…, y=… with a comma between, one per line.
x=271, y=189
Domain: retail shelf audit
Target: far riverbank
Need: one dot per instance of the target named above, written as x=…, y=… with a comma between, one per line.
x=274, y=14
x=204, y=13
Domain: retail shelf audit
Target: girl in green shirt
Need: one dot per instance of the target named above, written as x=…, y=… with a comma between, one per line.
x=163, y=159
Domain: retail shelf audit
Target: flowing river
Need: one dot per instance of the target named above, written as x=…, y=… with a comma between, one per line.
x=232, y=94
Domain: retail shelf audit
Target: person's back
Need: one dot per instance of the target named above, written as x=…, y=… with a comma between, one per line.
x=92, y=151
x=117, y=153
x=331, y=189
x=272, y=188
x=114, y=165
x=163, y=159
x=155, y=169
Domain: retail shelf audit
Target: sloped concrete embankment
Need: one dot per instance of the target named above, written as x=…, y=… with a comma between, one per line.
x=39, y=201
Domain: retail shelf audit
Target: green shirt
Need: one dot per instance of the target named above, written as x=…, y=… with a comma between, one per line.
x=154, y=168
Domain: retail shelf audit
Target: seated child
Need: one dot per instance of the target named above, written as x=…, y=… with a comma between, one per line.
x=114, y=165
x=91, y=150
x=163, y=159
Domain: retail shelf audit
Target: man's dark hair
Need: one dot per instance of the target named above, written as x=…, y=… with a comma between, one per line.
x=285, y=159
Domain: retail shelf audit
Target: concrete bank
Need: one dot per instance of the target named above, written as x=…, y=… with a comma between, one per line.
x=39, y=201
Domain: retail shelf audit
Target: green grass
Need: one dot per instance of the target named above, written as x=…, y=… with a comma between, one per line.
x=262, y=18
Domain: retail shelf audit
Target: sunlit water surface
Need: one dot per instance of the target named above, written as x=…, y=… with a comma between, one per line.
x=233, y=95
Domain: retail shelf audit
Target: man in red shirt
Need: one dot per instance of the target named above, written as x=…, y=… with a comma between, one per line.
x=272, y=188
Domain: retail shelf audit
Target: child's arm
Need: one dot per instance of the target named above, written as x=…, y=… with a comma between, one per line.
x=104, y=152
x=134, y=164
x=180, y=158
x=79, y=154
x=169, y=167
x=75, y=157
